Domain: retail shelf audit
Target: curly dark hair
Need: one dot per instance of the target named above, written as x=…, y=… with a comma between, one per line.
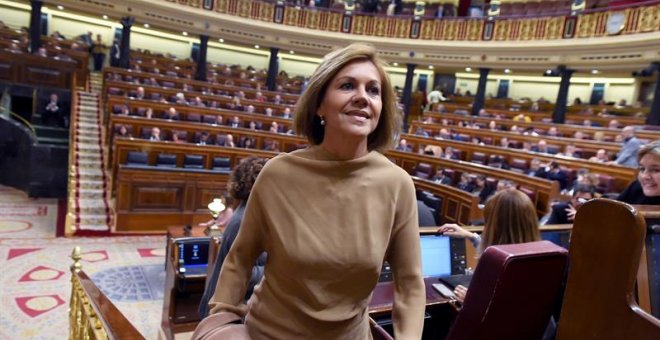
x=243, y=177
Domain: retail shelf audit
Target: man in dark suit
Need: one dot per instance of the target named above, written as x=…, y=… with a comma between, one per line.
x=564, y=212
x=53, y=113
x=536, y=169
x=554, y=173
x=115, y=54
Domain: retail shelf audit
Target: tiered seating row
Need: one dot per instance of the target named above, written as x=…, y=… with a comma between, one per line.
x=614, y=177
x=541, y=128
x=545, y=117
x=586, y=148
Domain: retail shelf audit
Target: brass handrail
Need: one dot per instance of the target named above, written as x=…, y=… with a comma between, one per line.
x=23, y=120
x=91, y=314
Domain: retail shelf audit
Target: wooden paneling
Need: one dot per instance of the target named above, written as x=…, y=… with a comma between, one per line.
x=34, y=70
x=152, y=199
x=156, y=209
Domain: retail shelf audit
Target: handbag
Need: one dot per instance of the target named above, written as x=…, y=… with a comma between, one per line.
x=221, y=326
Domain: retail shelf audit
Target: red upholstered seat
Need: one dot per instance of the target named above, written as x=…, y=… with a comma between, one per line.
x=605, y=183
x=423, y=170
x=479, y=158
x=513, y=292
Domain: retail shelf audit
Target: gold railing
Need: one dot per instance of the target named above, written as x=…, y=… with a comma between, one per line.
x=70, y=220
x=21, y=119
x=91, y=314
x=637, y=18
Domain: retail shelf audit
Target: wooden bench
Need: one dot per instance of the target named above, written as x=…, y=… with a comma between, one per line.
x=539, y=116
x=563, y=129
x=622, y=175
x=586, y=147
x=195, y=85
x=145, y=194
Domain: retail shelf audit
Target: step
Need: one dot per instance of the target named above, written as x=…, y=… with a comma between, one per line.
x=89, y=125
x=93, y=227
x=88, y=163
x=96, y=156
x=96, y=220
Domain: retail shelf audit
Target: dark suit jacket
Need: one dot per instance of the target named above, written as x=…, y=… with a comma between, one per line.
x=559, y=177
x=227, y=240
x=558, y=214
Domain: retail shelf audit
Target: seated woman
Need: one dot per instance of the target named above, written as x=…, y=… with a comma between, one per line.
x=239, y=186
x=510, y=217
x=646, y=188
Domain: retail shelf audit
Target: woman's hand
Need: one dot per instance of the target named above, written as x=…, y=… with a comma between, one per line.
x=454, y=230
x=459, y=293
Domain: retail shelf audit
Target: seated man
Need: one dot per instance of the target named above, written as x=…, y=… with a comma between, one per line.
x=536, y=169
x=53, y=113
x=204, y=139
x=155, y=134
x=171, y=114
x=403, y=146
x=564, y=212
x=235, y=122
x=441, y=178
x=139, y=94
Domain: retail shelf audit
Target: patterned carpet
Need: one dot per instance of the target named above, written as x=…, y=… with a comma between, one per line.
x=35, y=283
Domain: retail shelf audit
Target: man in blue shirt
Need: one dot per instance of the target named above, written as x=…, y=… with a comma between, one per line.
x=628, y=154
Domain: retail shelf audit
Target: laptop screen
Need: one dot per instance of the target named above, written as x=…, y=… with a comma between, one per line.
x=436, y=255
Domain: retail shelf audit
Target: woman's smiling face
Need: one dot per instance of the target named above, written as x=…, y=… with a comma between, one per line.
x=649, y=175
x=352, y=102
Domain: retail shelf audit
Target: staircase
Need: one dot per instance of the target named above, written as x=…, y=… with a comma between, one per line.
x=89, y=197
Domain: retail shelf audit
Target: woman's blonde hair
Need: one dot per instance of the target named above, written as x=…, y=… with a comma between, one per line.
x=510, y=218
x=652, y=148
x=306, y=120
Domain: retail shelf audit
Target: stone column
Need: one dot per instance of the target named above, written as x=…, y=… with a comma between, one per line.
x=201, y=57
x=480, y=97
x=559, y=113
x=407, y=92
x=125, y=46
x=273, y=69
x=35, y=26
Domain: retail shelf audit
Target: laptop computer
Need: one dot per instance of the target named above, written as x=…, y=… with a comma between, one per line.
x=441, y=256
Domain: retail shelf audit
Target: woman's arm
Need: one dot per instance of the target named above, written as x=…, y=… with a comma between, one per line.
x=405, y=259
x=237, y=268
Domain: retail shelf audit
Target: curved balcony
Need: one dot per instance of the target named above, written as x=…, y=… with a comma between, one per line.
x=616, y=38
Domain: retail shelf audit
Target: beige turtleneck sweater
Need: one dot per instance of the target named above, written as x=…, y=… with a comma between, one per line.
x=327, y=226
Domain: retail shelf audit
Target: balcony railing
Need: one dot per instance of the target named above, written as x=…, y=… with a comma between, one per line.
x=631, y=19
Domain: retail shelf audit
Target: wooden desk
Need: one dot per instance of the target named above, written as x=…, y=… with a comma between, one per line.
x=177, y=306
x=382, y=299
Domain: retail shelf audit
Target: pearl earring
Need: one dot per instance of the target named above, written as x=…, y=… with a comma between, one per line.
x=322, y=120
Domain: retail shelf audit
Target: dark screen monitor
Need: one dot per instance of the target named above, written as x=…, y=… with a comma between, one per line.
x=558, y=237
x=193, y=255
